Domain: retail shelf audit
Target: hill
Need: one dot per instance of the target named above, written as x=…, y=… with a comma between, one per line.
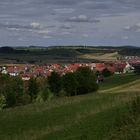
x=65, y=54
x=85, y=117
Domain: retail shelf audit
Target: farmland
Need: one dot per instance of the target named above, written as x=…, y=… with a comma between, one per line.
x=64, y=54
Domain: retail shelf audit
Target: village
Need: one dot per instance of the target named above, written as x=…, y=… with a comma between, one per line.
x=26, y=71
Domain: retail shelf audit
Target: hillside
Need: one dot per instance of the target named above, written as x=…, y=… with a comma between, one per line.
x=85, y=117
x=65, y=54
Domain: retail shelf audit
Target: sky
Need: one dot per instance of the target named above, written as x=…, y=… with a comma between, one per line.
x=69, y=22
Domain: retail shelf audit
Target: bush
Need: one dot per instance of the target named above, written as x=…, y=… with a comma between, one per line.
x=44, y=95
x=62, y=93
x=2, y=102
x=25, y=99
x=11, y=99
x=106, y=73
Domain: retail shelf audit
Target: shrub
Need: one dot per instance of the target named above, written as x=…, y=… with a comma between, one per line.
x=25, y=99
x=106, y=73
x=2, y=102
x=62, y=93
x=11, y=99
x=44, y=95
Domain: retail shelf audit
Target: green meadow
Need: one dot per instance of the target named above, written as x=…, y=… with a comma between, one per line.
x=85, y=117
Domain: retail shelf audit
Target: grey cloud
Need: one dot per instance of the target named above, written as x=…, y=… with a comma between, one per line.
x=57, y=2
x=134, y=28
x=96, y=5
x=82, y=18
x=66, y=26
x=67, y=17
x=16, y=26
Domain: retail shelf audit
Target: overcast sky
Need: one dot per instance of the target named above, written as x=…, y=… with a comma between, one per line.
x=69, y=22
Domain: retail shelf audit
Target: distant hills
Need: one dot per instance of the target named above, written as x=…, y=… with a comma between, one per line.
x=65, y=54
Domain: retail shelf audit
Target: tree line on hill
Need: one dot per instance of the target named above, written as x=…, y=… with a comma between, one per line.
x=15, y=92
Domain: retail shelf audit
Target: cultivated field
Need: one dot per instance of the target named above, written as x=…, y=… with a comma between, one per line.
x=101, y=56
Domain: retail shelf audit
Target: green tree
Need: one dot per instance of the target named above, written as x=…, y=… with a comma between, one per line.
x=12, y=89
x=17, y=87
x=70, y=84
x=54, y=81
x=33, y=88
x=86, y=80
x=106, y=73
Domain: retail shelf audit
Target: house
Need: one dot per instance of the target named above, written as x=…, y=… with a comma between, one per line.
x=100, y=67
x=119, y=66
x=26, y=77
x=3, y=70
x=128, y=68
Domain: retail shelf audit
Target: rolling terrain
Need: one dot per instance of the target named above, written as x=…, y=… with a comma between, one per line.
x=84, y=117
x=64, y=54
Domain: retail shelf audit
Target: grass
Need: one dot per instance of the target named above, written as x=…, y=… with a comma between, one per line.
x=103, y=56
x=84, y=117
x=118, y=80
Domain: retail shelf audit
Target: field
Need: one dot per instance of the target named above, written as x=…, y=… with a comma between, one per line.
x=84, y=117
x=55, y=55
x=103, y=57
x=65, y=54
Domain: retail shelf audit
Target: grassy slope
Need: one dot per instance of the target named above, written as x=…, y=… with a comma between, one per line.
x=83, y=117
x=55, y=55
x=102, y=56
x=118, y=80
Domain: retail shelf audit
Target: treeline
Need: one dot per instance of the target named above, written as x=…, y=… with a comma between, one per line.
x=129, y=51
x=15, y=92
x=12, y=50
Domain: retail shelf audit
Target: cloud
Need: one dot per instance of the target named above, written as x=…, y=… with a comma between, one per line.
x=64, y=10
x=66, y=26
x=35, y=25
x=20, y=27
x=69, y=19
x=85, y=35
x=58, y=2
x=125, y=37
x=82, y=18
x=127, y=27
x=133, y=28
x=96, y=5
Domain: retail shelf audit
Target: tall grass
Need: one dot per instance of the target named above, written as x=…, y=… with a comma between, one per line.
x=127, y=126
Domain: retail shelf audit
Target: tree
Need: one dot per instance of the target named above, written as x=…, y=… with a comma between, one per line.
x=17, y=87
x=106, y=73
x=33, y=88
x=12, y=89
x=86, y=80
x=70, y=84
x=137, y=69
x=54, y=81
